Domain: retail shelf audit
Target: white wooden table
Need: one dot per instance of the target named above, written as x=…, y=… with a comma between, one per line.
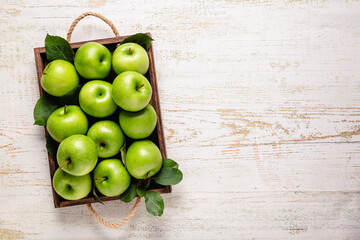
x=261, y=108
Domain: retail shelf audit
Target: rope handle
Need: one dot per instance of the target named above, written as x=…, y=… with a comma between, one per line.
x=119, y=224
x=110, y=23
x=138, y=199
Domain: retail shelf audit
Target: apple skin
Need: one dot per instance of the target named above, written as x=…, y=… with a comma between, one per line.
x=143, y=159
x=117, y=178
x=108, y=138
x=95, y=99
x=93, y=61
x=82, y=153
x=59, y=78
x=138, y=125
x=131, y=91
x=135, y=59
x=71, y=187
x=62, y=124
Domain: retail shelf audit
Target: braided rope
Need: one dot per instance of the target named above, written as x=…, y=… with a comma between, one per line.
x=119, y=224
x=71, y=29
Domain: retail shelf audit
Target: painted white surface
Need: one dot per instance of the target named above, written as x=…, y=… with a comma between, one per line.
x=260, y=103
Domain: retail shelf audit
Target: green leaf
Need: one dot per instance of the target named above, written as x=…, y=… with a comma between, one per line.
x=43, y=109
x=51, y=146
x=154, y=203
x=96, y=198
x=58, y=48
x=129, y=194
x=170, y=163
x=168, y=176
x=71, y=98
x=140, y=38
x=140, y=192
x=123, y=153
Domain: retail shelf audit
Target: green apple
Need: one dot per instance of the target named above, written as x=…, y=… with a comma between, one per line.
x=93, y=61
x=143, y=159
x=138, y=125
x=59, y=78
x=95, y=99
x=131, y=91
x=66, y=121
x=108, y=138
x=77, y=155
x=130, y=57
x=111, y=177
x=71, y=187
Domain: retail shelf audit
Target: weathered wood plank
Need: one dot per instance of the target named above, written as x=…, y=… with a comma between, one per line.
x=234, y=215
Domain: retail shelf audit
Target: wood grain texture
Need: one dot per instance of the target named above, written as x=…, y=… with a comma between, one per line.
x=260, y=104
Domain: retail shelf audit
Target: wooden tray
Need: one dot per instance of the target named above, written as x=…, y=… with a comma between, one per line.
x=157, y=136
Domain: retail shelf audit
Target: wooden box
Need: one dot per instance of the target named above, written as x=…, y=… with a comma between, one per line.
x=157, y=136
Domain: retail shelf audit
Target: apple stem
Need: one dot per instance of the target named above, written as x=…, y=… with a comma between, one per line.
x=64, y=164
x=148, y=172
x=140, y=87
x=100, y=179
x=130, y=51
x=65, y=109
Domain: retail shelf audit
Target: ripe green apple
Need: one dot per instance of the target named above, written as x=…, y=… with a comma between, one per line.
x=138, y=125
x=111, y=177
x=95, y=99
x=71, y=187
x=77, y=155
x=131, y=91
x=108, y=138
x=143, y=159
x=66, y=121
x=130, y=57
x=59, y=78
x=93, y=61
